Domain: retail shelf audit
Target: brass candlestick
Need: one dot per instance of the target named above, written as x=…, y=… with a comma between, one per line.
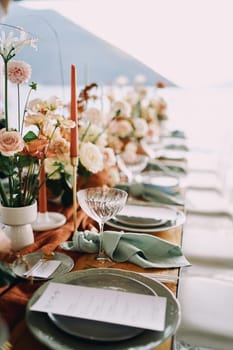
x=74, y=163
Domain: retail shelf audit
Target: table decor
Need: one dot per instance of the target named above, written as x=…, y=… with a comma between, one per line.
x=22, y=266
x=44, y=329
x=101, y=203
x=46, y=220
x=24, y=148
x=143, y=250
x=18, y=224
x=152, y=194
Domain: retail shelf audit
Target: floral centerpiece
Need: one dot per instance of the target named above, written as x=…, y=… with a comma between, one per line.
x=38, y=134
x=140, y=115
x=97, y=161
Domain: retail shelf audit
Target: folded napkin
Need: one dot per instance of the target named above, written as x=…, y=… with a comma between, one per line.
x=172, y=169
x=152, y=193
x=143, y=250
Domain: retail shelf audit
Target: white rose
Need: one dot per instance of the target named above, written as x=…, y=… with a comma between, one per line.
x=113, y=177
x=121, y=128
x=109, y=156
x=121, y=106
x=140, y=126
x=115, y=143
x=129, y=156
x=93, y=133
x=131, y=147
x=94, y=116
x=91, y=157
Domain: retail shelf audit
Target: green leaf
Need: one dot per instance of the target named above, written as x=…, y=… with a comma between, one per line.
x=33, y=85
x=30, y=136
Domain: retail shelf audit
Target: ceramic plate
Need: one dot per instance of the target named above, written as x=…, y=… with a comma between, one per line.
x=161, y=181
x=139, y=221
x=170, y=218
x=66, y=264
x=100, y=331
x=46, y=331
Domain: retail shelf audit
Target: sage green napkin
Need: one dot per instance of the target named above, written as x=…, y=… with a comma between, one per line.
x=151, y=193
x=143, y=250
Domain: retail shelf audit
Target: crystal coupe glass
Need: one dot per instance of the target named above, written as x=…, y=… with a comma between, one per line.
x=101, y=204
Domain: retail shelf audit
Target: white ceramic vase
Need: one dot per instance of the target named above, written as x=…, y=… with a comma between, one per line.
x=18, y=226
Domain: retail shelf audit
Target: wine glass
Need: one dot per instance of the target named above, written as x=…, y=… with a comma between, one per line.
x=102, y=203
x=131, y=169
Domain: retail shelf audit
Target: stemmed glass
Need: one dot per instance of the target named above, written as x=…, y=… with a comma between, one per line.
x=101, y=203
x=132, y=169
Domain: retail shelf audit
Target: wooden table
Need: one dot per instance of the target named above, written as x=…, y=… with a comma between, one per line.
x=20, y=336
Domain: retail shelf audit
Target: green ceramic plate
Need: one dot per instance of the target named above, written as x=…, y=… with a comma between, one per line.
x=49, y=332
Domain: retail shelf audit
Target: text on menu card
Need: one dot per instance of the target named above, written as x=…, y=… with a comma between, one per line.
x=129, y=309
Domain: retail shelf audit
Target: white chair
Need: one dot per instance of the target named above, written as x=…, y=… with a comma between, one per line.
x=206, y=202
x=206, y=313
x=209, y=247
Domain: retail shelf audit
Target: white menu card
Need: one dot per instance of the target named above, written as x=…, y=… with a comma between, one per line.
x=129, y=309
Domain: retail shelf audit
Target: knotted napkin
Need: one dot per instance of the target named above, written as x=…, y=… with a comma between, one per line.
x=143, y=250
x=152, y=193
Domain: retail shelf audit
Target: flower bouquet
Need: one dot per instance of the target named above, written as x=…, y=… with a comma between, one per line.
x=38, y=133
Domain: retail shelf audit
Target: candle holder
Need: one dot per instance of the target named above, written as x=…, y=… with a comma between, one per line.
x=48, y=221
x=74, y=162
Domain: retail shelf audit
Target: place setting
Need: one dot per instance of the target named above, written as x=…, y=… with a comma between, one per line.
x=147, y=219
x=163, y=182
x=98, y=306
x=87, y=309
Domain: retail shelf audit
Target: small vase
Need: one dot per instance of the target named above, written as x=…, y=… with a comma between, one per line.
x=17, y=223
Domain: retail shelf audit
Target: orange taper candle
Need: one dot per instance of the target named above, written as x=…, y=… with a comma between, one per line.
x=74, y=115
x=42, y=205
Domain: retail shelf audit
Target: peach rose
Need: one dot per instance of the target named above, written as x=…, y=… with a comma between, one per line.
x=11, y=142
x=36, y=148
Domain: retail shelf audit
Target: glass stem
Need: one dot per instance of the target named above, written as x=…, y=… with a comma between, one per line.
x=101, y=249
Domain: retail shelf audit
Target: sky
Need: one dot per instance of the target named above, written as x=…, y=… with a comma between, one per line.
x=187, y=41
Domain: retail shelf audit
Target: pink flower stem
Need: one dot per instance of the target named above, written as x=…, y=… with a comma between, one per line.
x=18, y=92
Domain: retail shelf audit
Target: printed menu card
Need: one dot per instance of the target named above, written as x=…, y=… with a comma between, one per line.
x=106, y=305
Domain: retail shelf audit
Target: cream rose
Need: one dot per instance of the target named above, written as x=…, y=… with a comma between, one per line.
x=91, y=157
x=109, y=157
x=121, y=128
x=94, y=116
x=140, y=127
x=11, y=142
x=93, y=134
x=123, y=107
x=113, y=176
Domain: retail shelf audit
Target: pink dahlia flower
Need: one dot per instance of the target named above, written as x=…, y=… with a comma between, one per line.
x=19, y=72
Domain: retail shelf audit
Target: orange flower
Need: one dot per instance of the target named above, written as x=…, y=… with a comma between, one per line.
x=37, y=148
